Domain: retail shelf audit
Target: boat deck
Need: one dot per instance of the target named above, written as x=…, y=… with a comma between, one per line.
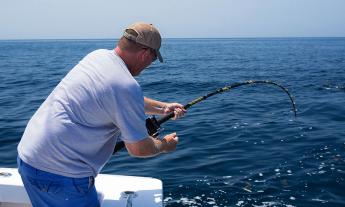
x=113, y=190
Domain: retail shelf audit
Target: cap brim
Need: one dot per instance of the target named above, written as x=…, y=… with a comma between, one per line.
x=160, y=58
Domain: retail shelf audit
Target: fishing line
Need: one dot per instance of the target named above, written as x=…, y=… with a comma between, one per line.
x=153, y=124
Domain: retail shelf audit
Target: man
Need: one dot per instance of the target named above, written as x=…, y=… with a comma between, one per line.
x=73, y=133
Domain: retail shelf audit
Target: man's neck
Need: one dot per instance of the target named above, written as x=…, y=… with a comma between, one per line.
x=127, y=59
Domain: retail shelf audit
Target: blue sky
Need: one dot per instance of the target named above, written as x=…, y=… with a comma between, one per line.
x=61, y=19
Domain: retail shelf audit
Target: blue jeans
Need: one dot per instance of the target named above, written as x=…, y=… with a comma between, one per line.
x=50, y=190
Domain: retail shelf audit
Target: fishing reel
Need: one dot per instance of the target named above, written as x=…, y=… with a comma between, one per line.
x=153, y=127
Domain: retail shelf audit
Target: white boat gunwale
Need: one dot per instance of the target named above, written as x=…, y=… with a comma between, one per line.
x=112, y=190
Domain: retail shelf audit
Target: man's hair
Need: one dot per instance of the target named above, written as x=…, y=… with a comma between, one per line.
x=129, y=45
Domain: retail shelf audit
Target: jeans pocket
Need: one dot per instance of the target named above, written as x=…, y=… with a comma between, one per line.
x=64, y=190
x=42, y=185
x=83, y=185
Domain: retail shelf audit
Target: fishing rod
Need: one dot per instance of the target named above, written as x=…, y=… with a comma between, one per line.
x=153, y=125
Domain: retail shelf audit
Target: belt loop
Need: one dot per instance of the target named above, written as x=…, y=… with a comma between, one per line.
x=91, y=181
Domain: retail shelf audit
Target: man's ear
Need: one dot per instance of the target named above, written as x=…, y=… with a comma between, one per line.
x=146, y=54
x=142, y=55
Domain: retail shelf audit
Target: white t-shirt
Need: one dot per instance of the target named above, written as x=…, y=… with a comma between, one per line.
x=74, y=131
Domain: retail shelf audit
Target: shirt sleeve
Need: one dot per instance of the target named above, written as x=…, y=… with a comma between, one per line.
x=125, y=106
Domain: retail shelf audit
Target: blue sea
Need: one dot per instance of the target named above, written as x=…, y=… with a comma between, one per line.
x=239, y=148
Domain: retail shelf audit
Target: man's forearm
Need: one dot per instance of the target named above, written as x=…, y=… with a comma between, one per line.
x=154, y=103
x=153, y=106
x=148, y=147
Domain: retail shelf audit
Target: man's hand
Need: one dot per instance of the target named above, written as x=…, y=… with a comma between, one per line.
x=169, y=142
x=177, y=108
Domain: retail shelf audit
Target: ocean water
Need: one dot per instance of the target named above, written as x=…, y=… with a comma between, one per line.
x=240, y=148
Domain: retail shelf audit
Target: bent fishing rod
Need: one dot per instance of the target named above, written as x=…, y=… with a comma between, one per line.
x=153, y=124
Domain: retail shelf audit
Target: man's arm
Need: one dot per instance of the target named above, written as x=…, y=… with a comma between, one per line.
x=150, y=146
x=154, y=107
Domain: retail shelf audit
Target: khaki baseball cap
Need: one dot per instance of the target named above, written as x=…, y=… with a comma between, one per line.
x=145, y=34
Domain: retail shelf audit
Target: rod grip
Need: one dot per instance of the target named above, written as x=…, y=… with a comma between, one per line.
x=165, y=118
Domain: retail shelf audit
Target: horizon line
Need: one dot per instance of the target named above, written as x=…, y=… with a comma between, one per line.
x=283, y=37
